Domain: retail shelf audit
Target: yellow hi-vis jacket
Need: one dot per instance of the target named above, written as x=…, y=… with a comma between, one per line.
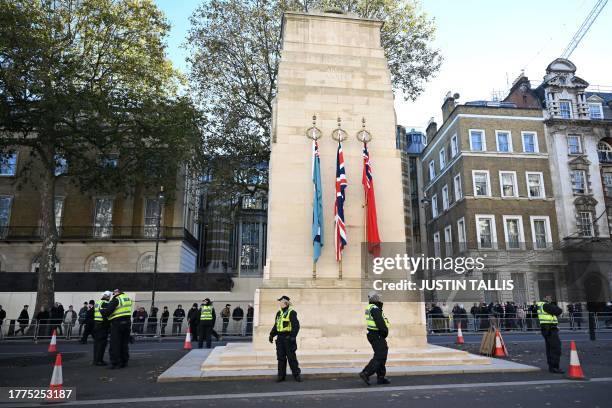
x=283, y=323
x=99, y=305
x=545, y=317
x=123, y=309
x=371, y=324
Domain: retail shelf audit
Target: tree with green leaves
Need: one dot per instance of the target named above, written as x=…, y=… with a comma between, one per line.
x=235, y=50
x=82, y=80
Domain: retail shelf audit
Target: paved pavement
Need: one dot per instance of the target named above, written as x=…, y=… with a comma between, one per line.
x=30, y=365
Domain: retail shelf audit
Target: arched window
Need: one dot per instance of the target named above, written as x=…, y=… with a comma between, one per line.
x=147, y=263
x=98, y=263
x=604, y=150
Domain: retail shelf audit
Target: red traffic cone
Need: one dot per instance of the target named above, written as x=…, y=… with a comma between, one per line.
x=53, y=345
x=57, y=380
x=460, y=335
x=187, y=345
x=500, y=347
x=575, y=371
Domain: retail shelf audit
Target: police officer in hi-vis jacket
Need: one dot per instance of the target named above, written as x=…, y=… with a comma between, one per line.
x=286, y=328
x=378, y=330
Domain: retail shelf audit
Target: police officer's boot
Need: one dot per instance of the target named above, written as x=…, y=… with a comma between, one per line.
x=364, y=377
x=298, y=378
x=382, y=381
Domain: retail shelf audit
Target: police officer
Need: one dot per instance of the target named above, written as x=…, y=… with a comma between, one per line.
x=100, y=329
x=378, y=330
x=207, y=322
x=286, y=327
x=547, y=315
x=119, y=312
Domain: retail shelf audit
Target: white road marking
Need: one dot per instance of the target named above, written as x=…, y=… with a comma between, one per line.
x=278, y=394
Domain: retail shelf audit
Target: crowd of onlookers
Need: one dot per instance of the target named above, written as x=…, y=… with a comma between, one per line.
x=507, y=316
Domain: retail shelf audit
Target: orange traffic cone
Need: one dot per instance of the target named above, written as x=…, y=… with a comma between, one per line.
x=575, y=371
x=53, y=345
x=187, y=345
x=459, y=335
x=500, y=347
x=57, y=379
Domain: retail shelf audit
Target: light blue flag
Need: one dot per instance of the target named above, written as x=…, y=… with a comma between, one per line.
x=317, y=207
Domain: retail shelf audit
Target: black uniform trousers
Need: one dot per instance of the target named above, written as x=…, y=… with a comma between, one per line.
x=205, y=330
x=285, y=351
x=89, y=330
x=550, y=332
x=119, y=341
x=377, y=363
x=100, y=340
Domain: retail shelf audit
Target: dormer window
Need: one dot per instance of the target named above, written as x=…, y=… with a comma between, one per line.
x=595, y=110
x=565, y=109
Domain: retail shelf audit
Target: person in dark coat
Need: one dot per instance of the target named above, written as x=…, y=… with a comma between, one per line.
x=249, y=320
x=57, y=315
x=164, y=320
x=82, y=317
x=237, y=316
x=548, y=312
x=193, y=318
x=23, y=319
x=152, y=322
x=286, y=328
x=2, y=317
x=89, y=323
x=118, y=312
x=42, y=317
x=206, y=323
x=177, y=319
x=378, y=330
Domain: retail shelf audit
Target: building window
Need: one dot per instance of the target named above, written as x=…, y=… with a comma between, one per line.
x=98, y=263
x=540, y=232
x=458, y=188
x=481, y=183
x=454, y=146
x=504, y=141
x=58, y=206
x=585, y=224
x=5, y=215
x=461, y=235
x=565, y=109
x=579, y=181
x=535, y=185
x=607, y=178
x=147, y=263
x=477, y=141
x=604, y=151
x=8, y=164
x=152, y=212
x=434, y=206
x=436, y=240
x=103, y=218
x=432, y=170
x=530, y=142
x=507, y=181
x=448, y=241
x=445, y=201
x=595, y=110
x=574, y=146
x=485, y=230
x=442, y=156
x=513, y=231
x=249, y=248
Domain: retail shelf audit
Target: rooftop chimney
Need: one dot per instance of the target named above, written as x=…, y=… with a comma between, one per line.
x=430, y=131
x=448, y=105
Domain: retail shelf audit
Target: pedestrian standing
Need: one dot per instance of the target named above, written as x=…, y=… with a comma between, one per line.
x=2, y=317
x=206, y=323
x=89, y=322
x=237, y=316
x=101, y=329
x=378, y=329
x=193, y=318
x=70, y=318
x=118, y=312
x=42, y=318
x=164, y=320
x=286, y=328
x=177, y=319
x=548, y=311
x=249, y=319
x=82, y=317
x=225, y=316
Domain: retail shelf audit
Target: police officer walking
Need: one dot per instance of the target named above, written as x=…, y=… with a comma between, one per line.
x=207, y=322
x=286, y=327
x=100, y=329
x=119, y=312
x=547, y=315
x=378, y=330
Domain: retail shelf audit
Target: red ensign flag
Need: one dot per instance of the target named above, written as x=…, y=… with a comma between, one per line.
x=372, y=236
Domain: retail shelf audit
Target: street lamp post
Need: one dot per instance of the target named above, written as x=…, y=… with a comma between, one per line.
x=160, y=203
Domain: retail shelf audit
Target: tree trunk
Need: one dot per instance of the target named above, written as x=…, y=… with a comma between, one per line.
x=45, y=294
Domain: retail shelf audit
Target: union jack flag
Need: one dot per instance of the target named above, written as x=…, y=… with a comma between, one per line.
x=341, y=184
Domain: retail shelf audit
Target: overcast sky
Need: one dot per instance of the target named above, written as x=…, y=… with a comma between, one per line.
x=485, y=45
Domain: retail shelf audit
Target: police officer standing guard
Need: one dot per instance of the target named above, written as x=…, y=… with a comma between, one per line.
x=378, y=330
x=547, y=315
x=100, y=329
x=119, y=312
x=207, y=322
x=286, y=327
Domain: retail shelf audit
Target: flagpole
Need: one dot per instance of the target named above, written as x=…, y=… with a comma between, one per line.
x=365, y=220
x=340, y=269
